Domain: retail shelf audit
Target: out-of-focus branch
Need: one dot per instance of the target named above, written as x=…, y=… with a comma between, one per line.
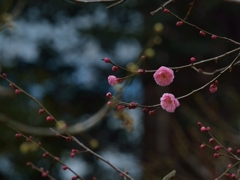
x=18, y=8
x=189, y=10
x=74, y=129
x=170, y=176
x=6, y=17
x=92, y=1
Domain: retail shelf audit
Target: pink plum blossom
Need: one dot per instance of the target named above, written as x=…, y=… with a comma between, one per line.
x=163, y=76
x=169, y=102
x=112, y=80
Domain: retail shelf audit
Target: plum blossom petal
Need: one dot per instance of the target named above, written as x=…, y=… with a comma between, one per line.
x=163, y=76
x=169, y=102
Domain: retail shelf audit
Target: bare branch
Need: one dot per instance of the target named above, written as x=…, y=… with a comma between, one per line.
x=101, y=158
x=166, y=3
x=93, y=1
x=75, y=129
x=170, y=176
x=227, y=68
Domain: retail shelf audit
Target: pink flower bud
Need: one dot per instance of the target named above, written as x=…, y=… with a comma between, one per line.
x=112, y=80
x=133, y=105
x=18, y=135
x=213, y=88
x=109, y=95
x=41, y=111
x=45, y=155
x=227, y=175
x=211, y=140
x=179, y=23
x=115, y=68
x=202, y=146
x=74, y=151
x=151, y=113
x=74, y=178
x=4, y=75
x=68, y=139
x=64, y=168
x=238, y=151
x=72, y=155
x=107, y=60
x=214, y=37
x=166, y=10
x=193, y=59
x=202, y=33
x=203, y=129
x=49, y=118
x=145, y=110
x=17, y=91
x=120, y=107
x=109, y=103
x=233, y=176
x=217, y=148
x=216, y=155
x=11, y=86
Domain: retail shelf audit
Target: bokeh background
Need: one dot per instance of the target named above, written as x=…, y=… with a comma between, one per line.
x=53, y=50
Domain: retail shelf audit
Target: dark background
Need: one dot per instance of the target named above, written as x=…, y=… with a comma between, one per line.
x=53, y=50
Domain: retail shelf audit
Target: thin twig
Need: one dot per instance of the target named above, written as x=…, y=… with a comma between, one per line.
x=170, y=175
x=190, y=24
x=93, y=1
x=43, y=149
x=233, y=155
x=39, y=170
x=160, y=8
x=101, y=158
x=214, y=72
x=228, y=67
x=227, y=170
x=189, y=10
x=119, y=2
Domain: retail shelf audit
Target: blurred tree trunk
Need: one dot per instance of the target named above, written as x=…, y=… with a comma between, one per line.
x=156, y=136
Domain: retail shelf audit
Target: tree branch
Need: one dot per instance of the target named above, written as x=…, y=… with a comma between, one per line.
x=74, y=129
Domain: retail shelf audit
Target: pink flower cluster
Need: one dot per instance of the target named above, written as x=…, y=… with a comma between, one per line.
x=169, y=102
x=163, y=76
